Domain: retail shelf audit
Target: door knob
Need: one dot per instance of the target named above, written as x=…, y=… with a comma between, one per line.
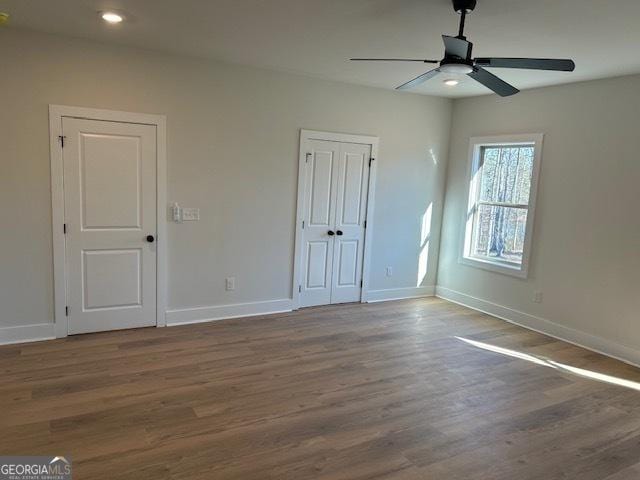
x=331, y=233
x=339, y=232
x=150, y=238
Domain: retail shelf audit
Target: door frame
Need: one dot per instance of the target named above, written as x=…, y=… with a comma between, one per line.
x=56, y=114
x=374, y=142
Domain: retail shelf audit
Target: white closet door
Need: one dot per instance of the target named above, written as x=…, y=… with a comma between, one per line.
x=320, y=197
x=351, y=211
x=110, y=215
x=335, y=209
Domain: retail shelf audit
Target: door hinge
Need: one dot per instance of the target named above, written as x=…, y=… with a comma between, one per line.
x=66, y=311
x=361, y=283
x=303, y=224
x=365, y=224
x=64, y=228
x=371, y=160
x=307, y=158
x=299, y=288
x=62, y=139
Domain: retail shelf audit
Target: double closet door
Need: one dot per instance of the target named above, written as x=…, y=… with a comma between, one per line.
x=335, y=210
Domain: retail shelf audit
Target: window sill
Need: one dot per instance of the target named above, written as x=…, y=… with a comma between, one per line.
x=497, y=267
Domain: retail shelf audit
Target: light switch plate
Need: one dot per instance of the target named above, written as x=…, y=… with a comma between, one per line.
x=190, y=214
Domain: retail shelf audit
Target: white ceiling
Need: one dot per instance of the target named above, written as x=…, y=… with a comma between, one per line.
x=316, y=37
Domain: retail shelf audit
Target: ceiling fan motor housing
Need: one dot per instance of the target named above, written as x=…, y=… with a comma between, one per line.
x=466, y=5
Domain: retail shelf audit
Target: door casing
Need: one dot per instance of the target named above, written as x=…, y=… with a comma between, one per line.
x=374, y=142
x=56, y=114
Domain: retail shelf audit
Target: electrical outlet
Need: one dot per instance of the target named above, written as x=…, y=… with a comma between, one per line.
x=230, y=283
x=537, y=297
x=389, y=271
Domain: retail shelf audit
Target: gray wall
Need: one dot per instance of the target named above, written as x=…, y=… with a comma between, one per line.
x=233, y=147
x=586, y=245
x=232, y=152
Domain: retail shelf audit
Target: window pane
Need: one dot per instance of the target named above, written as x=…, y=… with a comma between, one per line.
x=506, y=174
x=499, y=233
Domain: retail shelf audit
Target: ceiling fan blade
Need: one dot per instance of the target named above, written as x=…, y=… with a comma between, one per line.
x=456, y=47
x=418, y=80
x=393, y=60
x=492, y=82
x=563, y=65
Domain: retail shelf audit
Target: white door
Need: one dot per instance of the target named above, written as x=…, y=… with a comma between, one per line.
x=352, y=186
x=110, y=218
x=336, y=187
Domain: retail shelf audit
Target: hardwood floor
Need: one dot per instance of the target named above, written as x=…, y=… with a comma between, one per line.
x=400, y=391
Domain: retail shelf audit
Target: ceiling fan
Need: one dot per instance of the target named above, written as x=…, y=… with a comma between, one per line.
x=457, y=60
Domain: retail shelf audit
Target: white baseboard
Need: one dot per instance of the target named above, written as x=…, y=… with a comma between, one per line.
x=582, y=339
x=27, y=333
x=222, y=312
x=399, y=293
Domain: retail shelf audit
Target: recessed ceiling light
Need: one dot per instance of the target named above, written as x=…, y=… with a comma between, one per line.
x=451, y=82
x=111, y=17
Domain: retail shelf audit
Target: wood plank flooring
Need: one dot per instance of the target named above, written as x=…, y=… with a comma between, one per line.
x=400, y=391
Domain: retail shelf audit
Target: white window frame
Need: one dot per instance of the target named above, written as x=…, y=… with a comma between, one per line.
x=476, y=145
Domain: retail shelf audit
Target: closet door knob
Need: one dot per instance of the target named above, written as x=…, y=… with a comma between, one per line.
x=331, y=233
x=150, y=238
x=339, y=232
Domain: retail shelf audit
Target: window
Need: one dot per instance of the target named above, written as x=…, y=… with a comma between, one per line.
x=502, y=189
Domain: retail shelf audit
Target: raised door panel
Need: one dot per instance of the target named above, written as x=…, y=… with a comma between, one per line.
x=347, y=262
x=321, y=167
x=111, y=181
x=317, y=257
x=351, y=194
x=111, y=278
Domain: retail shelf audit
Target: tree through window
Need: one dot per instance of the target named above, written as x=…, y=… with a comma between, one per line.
x=500, y=202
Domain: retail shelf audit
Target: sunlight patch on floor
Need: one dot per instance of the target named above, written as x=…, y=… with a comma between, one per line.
x=545, y=362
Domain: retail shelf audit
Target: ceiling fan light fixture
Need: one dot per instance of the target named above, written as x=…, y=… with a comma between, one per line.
x=111, y=17
x=451, y=82
x=456, y=68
